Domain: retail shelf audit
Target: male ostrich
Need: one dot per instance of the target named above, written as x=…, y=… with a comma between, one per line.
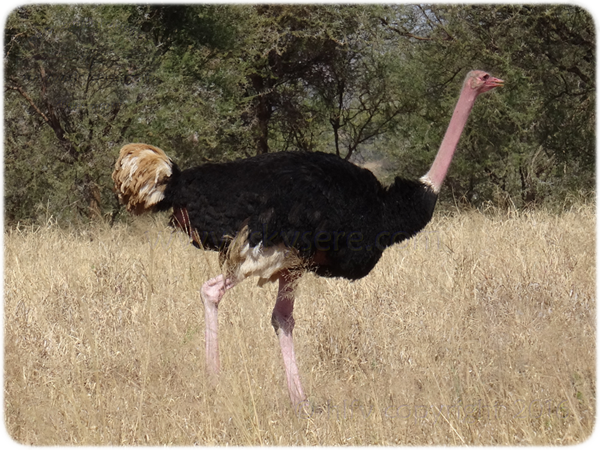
x=277, y=215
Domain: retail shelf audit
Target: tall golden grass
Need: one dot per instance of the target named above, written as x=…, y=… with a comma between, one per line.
x=479, y=331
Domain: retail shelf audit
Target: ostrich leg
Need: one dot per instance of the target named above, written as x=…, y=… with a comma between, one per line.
x=212, y=293
x=283, y=322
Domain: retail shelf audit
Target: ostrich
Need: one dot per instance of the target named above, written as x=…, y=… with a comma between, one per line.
x=277, y=215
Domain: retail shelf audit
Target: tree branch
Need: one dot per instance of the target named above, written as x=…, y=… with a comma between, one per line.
x=403, y=32
x=29, y=100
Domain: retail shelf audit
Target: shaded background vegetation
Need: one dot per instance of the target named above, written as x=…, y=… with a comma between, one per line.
x=371, y=83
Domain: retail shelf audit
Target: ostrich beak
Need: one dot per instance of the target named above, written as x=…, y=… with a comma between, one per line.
x=495, y=82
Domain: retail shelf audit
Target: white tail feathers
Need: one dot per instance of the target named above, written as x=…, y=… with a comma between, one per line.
x=141, y=175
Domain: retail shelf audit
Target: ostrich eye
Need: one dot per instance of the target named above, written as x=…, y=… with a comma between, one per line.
x=485, y=77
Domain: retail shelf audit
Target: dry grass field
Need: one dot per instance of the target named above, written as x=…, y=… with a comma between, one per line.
x=479, y=331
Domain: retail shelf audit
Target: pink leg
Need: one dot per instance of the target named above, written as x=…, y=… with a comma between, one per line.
x=212, y=293
x=283, y=322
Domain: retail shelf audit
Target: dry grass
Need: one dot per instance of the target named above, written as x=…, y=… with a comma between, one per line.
x=480, y=331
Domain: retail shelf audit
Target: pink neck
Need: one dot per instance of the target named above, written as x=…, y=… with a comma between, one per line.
x=439, y=168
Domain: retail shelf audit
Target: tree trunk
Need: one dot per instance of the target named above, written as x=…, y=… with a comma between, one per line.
x=262, y=114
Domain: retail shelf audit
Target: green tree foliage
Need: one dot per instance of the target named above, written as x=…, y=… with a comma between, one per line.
x=176, y=27
x=309, y=76
x=536, y=138
x=72, y=92
x=83, y=80
x=217, y=82
x=325, y=82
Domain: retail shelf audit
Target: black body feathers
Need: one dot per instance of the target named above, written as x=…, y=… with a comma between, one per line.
x=336, y=215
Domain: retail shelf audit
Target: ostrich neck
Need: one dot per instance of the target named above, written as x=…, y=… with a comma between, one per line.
x=437, y=173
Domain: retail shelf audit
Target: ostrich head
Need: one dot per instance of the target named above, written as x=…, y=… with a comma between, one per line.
x=481, y=81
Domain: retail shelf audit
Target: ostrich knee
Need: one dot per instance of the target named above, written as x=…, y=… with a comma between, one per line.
x=282, y=321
